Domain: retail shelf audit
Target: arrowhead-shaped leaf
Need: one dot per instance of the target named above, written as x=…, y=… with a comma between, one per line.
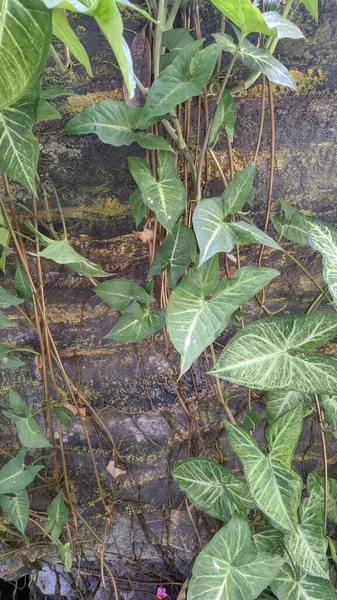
x=273, y=354
x=283, y=435
x=260, y=59
x=275, y=488
x=284, y=27
x=315, y=485
x=16, y=509
x=307, y=545
x=19, y=406
x=174, y=253
x=229, y=568
x=22, y=285
x=244, y=15
x=323, y=238
x=121, y=293
x=194, y=322
x=294, y=229
x=136, y=327
x=15, y=475
x=7, y=299
x=225, y=116
x=57, y=513
x=212, y=488
x=65, y=415
x=25, y=33
x=19, y=149
x=166, y=197
x=279, y=403
x=269, y=540
x=288, y=587
x=137, y=206
x=114, y=123
x=63, y=31
x=29, y=433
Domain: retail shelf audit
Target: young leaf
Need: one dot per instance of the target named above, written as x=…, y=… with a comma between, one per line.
x=121, y=293
x=229, y=568
x=279, y=403
x=114, y=123
x=19, y=149
x=65, y=555
x=283, y=435
x=284, y=27
x=294, y=229
x=57, y=513
x=194, y=322
x=260, y=59
x=136, y=327
x=16, y=509
x=7, y=299
x=323, y=238
x=272, y=354
x=315, y=485
x=137, y=206
x=307, y=545
x=63, y=31
x=19, y=406
x=24, y=44
x=212, y=488
x=176, y=39
x=287, y=586
x=22, y=285
x=244, y=15
x=312, y=7
x=47, y=112
x=269, y=540
x=65, y=416
x=29, y=432
x=181, y=80
x=61, y=252
x=165, y=196
x=174, y=253
x=225, y=116
x=330, y=412
x=275, y=488
x=15, y=475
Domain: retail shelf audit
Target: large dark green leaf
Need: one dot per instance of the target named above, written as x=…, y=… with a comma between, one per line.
x=15, y=475
x=16, y=509
x=114, y=122
x=166, y=196
x=25, y=33
x=244, y=15
x=229, y=568
x=287, y=586
x=275, y=488
x=194, y=322
x=121, y=293
x=174, y=253
x=212, y=488
x=19, y=149
x=273, y=354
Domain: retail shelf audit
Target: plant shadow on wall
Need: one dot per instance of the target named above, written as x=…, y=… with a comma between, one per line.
x=275, y=540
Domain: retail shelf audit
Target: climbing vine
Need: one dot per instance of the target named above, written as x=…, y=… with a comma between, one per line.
x=273, y=542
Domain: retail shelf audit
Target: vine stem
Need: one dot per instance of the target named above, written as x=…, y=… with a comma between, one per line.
x=320, y=418
x=219, y=390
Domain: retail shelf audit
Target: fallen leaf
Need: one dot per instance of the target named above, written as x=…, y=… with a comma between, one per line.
x=82, y=410
x=114, y=471
x=38, y=361
x=146, y=235
x=183, y=592
x=141, y=58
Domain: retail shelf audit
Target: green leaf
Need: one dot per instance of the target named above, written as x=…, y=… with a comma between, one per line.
x=323, y=238
x=19, y=406
x=57, y=513
x=284, y=27
x=65, y=555
x=134, y=328
x=137, y=9
x=194, y=322
x=229, y=568
x=63, y=31
x=61, y=252
x=166, y=197
x=283, y=435
x=181, y=80
x=65, y=415
x=121, y=293
x=25, y=33
x=294, y=229
x=4, y=322
x=281, y=402
x=137, y=206
x=333, y=549
x=288, y=587
x=15, y=475
x=307, y=545
x=315, y=485
x=312, y=7
x=212, y=488
x=28, y=431
x=19, y=149
x=174, y=253
x=238, y=191
x=225, y=116
x=114, y=123
x=174, y=40
x=55, y=91
x=275, y=488
x=272, y=354
x=260, y=59
x=269, y=540
x=22, y=285
x=5, y=237
x=330, y=412
x=244, y=15
x=7, y=299
x=16, y=509
x=47, y=112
